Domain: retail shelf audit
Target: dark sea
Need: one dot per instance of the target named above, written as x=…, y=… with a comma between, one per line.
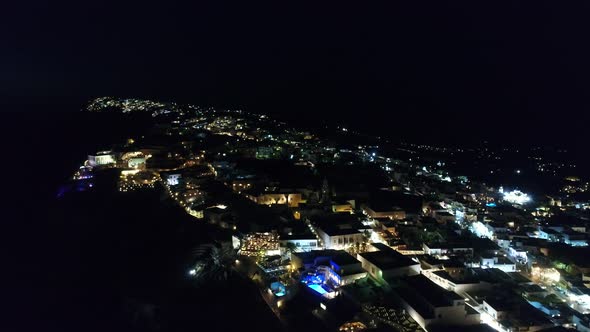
x=100, y=260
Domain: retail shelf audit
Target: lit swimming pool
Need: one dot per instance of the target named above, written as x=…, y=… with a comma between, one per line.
x=317, y=288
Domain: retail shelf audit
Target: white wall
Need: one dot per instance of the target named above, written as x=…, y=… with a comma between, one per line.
x=397, y=272
x=333, y=242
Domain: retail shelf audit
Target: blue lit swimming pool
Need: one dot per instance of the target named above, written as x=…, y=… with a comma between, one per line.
x=317, y=288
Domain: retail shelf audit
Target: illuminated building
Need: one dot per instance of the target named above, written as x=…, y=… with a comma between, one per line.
x=481, y=230
x=549, y=275
x=102, y=158
x=561, y=234
x=387, y=263
x=456, y=277
x=343, y=207
x=516, y=197
x=301, y=242
x=306, y=260
x=83, y=173
x=519, y=254
x=430, y=305
x=447, y=249
x=136, y=162
x=501, y=263
x=173, y=179
x=327, y=270
x=130, y=180
x=256, y=244
x=337, y=266
x=291, y=200
x=352, y=327
x=507, y=314
x=241, y=185
x=381, y=211
x=197, y=213
x=573, y=238
x=497, y=309
x=340, y=238
x=345, y=269
x=318, y=280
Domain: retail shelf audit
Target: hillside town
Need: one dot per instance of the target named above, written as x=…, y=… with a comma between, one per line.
x=344, y=231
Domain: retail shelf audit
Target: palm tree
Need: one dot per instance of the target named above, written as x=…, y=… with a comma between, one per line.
x=290, y=248
x=432, y=237
x=367, y=234
x=217, y=265
x=222, y=261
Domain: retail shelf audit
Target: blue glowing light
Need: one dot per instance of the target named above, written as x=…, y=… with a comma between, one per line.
x=492, y=204
x=318, y=288
x=74, y=186
x=335, y=266
x=278, y=289
x=313, y=279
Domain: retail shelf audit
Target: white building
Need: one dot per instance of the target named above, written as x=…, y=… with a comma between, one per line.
x=515, y=315
x=387, y=263
x=345, y=269
x=173, y=179
x=500, y=263
x=496, y=309
x=340, y=238
x=102, y=158
x=430, y=305
x=301, y=243
x=446, y=249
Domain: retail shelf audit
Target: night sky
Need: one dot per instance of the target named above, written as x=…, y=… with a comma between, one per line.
x=437, y=72
x=434, y=70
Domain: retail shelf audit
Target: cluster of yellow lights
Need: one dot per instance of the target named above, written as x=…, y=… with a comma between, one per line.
x=546, y=274
x=256, y=242
x=352, y=327
x=125, y=186
x=128, y=181
x=241, y=186
x=184, y=203
x=572, y=189
x=192, y=194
